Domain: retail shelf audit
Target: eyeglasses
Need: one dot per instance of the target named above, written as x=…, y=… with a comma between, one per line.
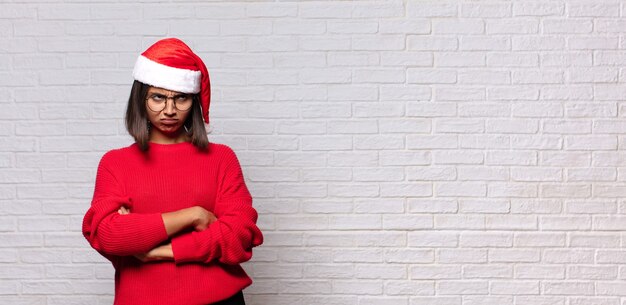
x=157, y=102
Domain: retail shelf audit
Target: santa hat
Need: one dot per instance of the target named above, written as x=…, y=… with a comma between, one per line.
x=170, y=64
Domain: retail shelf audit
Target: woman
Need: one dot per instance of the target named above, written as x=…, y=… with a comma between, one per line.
x=172, y=211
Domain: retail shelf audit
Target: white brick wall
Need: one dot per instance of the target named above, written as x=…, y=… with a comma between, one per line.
x=399, y=152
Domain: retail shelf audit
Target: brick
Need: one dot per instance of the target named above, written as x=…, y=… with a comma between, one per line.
x=336, y=271
x=487, y=271
x=380, y=271
x=511, y=222
x=512, y=26
x=435, y=272
x=483, y=206
x=360, y=222
x=408, y=288
x=47, y=287
x=539, y=239
x=383, y=9
x=483, y=240
x=488, y=300
x=451, y=256
x=538, y=8
x=384, y=239
x=431, y=9
x=432, y=238
x=349, y=190
x=568, y=256
x=591, y=272
x=312, y=206
x=377, y=110
x=593, y=10
x=568, y=288
x=457, y=157
x=520, y=255
x=362, y=287
x=358, y=256
x=515, y=287
x=389, y=42
x=465, y=287
x=495, y=10
x=540, y=271
x=267, y=10
x=336, y=10
x=484, y=43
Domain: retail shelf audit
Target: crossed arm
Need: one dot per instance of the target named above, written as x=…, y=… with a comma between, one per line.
x=227, y=234
x=196, y=217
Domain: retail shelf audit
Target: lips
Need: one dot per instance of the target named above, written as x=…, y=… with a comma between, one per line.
x=169, y=121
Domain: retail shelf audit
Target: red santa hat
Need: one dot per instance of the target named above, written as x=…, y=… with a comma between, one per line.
x=170, y=64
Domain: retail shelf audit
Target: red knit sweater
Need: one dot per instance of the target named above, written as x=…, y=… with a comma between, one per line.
x=171, y=177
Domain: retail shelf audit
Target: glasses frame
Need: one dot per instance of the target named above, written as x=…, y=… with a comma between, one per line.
x=167, y=98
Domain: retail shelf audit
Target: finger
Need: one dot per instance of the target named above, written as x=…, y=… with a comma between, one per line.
x=141, y=257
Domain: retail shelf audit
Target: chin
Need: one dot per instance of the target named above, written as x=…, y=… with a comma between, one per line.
x=172, y=131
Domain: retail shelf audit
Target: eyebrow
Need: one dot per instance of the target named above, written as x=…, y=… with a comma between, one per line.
x=163, y=94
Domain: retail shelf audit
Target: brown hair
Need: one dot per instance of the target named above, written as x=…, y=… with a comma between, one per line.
x=136, y=118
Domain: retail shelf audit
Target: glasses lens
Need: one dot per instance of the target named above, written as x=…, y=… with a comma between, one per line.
x=157, y=103
x=183, y=103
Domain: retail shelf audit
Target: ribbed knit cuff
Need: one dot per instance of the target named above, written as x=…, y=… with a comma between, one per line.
x=184, y=248
x=155, y=227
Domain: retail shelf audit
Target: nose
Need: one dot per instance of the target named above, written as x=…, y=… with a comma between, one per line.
x=169, y=107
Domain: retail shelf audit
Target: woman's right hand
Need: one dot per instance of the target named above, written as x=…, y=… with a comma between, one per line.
x=202, y=218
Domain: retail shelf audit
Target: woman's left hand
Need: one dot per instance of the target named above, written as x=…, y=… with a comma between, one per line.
x=123, y=210
x=159, y=253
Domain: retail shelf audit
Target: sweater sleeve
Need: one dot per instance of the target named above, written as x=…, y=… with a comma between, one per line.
x=232, y=236
x=112, y=234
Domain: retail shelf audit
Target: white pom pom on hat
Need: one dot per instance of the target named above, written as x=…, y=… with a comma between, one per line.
x=170, y=64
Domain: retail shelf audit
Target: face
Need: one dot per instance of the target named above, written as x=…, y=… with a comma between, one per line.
x=168, y=122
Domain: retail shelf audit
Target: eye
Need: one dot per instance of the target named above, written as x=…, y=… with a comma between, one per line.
x=157, y=97
x=182, y=98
